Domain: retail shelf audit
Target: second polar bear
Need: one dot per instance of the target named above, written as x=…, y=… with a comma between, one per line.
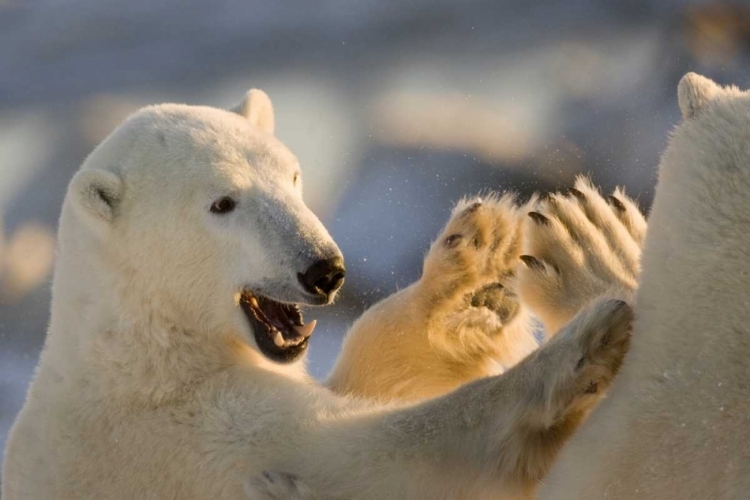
x=173, y=364
x=677, y=422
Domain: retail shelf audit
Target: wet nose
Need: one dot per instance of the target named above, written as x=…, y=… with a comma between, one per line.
x=324, y=277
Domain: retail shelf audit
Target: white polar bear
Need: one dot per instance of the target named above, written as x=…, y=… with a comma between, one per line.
x=676, y=424
x=173, y=362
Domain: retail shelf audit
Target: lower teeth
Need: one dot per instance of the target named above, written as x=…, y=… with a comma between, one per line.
x=280, y=341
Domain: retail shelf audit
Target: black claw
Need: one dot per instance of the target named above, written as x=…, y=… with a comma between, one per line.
x=549, y=198
x=453, y=240
x=580, y=363
x=539, y=218
x=473, y=207
x=268, y=477
x=620, y=206
x=578, y=194
x=532, y=262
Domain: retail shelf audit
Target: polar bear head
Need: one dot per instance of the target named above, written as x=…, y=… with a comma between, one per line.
x=701, y=204
x=193, y=217
x=713, y=133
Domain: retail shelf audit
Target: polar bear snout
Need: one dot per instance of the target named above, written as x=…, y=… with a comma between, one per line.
x=324, y=277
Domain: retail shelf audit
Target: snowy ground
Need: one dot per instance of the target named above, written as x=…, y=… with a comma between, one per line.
x=395, y=110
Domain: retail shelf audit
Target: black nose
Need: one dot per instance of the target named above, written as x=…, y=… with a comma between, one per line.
x=324, y=277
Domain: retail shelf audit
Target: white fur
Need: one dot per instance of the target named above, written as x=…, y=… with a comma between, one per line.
x=677, y=422
x=257, y=108
x=151, y=384
x=580, y=247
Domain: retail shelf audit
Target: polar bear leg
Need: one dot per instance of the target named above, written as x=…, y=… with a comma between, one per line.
x=505, y=430
x=469, y=282
x=580, y=246
x=567, y=388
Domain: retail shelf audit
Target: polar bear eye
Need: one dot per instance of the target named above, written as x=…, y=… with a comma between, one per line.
x=223, y=205
x=296, y=178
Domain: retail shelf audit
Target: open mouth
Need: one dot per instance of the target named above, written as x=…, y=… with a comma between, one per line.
x=279, y=330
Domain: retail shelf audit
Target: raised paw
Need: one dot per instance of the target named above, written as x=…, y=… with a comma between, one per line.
x=603, y=333
x=462, y=320
x=579, y=245
x=274, y=485
x=562, y=382
x=479, y=244
x=469, y=280
x=590, y=350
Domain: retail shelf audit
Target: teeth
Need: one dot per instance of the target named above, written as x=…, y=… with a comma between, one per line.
x=306, y=330
x=280, y=341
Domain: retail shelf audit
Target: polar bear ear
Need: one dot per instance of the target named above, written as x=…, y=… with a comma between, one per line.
x=694, y=91
x=96, y=195
x=257, y=108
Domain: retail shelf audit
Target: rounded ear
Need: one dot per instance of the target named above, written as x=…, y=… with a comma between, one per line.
x=96, y=194
x=694, y=91
x=257, y=108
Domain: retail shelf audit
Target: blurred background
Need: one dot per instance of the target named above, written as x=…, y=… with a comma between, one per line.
x=395, y=109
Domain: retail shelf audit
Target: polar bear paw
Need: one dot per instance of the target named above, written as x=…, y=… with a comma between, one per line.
x=469, y=279
x=479, y=246
x=562, y=382
x=274, y=485
x=599, y=337
x=578, y=247
x=603, y=335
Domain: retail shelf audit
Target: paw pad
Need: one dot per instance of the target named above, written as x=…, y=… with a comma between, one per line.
x=495, y=298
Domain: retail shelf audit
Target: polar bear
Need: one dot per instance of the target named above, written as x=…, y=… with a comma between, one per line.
x=676, y=424
x=174, y=361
